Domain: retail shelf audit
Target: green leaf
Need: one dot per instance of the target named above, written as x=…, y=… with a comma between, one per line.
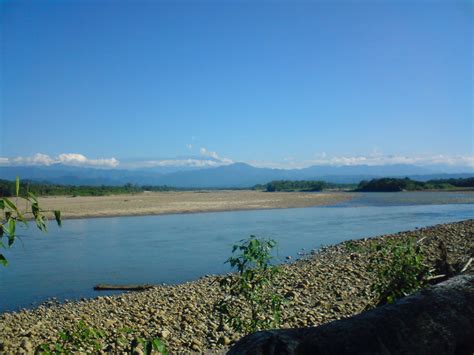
x=17, y=186
x=32, y=197
x=35, y=209
x=40, y=223
x=2, y=204
x=158, y=345
x=11, y=227
x=11, y=240
x=10, y=204
x=57, y=216
x=3, y=261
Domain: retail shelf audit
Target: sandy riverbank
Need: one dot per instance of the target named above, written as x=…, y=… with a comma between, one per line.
x=329, y=285
x=155, y=203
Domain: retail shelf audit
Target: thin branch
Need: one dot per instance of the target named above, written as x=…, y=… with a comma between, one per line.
x=467, y=265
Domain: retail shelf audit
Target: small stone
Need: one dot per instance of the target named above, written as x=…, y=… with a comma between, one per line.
x=223, y=340
x=195, y=347
x=165, y=334
x=26, y=345
x=196, y=342
x=302, y=285
x=224, y=327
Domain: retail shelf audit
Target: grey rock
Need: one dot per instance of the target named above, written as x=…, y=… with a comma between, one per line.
x=437, y=320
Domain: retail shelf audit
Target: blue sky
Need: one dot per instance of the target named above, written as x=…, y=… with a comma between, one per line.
x=273, y=83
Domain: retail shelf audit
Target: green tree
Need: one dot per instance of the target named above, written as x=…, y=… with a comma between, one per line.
x=14, y=214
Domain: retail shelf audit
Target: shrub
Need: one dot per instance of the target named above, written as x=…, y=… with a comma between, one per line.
x=83, y=337
x=399, y=269
x=250, y=304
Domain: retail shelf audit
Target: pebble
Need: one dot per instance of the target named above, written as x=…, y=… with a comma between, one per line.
x=165, y=334
x=26, y=345
x=224, y=340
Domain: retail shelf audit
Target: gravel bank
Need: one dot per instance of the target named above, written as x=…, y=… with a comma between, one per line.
x=331, y=284
x=155, y=203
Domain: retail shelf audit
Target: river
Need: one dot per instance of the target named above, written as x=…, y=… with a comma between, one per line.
x=67, y=262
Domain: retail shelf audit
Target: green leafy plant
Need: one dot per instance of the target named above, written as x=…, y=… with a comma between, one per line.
x=250, y=304
x=399, y=269
x=13, y=214
x=83, y=336
x=80, y=336
x=148, y=345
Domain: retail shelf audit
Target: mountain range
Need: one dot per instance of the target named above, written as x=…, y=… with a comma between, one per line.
x=237, y=175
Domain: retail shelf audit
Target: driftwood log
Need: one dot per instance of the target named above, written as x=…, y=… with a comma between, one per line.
x=437, y=320
x=107, y=287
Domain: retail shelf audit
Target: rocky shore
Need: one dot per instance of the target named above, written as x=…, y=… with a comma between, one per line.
x=325, y=285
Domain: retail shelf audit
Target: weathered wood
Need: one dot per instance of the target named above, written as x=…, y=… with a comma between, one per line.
x=437, y=320
x=107, y=287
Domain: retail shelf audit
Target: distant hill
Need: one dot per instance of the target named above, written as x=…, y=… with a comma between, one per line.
x=236, y=175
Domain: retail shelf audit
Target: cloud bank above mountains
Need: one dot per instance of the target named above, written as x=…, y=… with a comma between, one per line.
x=71, y=159
x=374, y=159
x=207, y=159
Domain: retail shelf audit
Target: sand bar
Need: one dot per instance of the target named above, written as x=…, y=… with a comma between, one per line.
x=155, y=203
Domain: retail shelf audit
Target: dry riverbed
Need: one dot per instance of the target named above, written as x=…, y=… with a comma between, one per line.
x=323, y=286
x=154, y=203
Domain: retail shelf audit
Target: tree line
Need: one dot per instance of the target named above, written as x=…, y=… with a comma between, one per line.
x=407, y=184
x=7, y=189
x=300, y=185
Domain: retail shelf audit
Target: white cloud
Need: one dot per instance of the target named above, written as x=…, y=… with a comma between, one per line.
x=79, y=159
x=37, y=159
x=213, y=155
x=207, y=159
x=185, y=162
x=71, y=159
x=206, y=153
x=376, y=158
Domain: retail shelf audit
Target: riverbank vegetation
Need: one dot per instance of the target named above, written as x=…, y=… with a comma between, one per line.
x=398, y=266
x=301, y=186
x=406, y=184
x=374, y=185
x=249, y=303
x=7, y=188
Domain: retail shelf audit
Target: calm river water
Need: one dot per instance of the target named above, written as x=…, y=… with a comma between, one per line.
x=67, y=262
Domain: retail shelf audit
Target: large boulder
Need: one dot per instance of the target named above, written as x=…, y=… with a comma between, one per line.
x=437, y=320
